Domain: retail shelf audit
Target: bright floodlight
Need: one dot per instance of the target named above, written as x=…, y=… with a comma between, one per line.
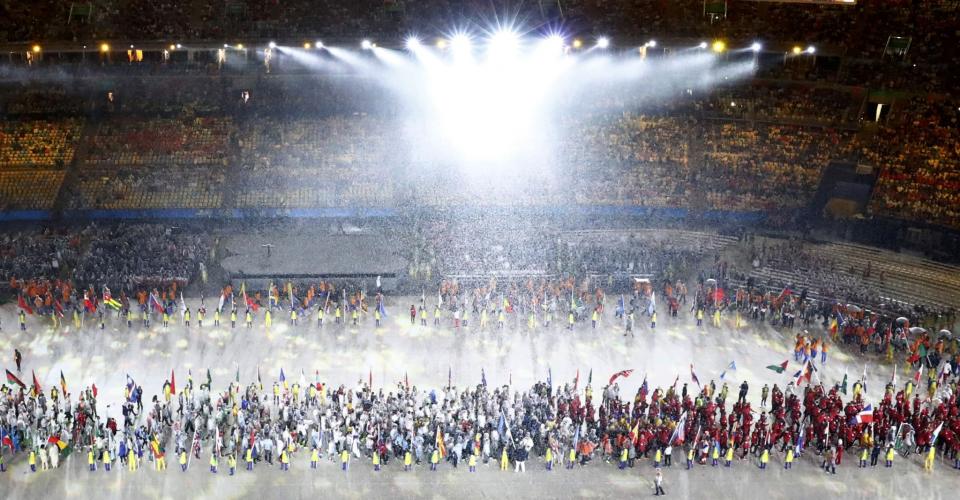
x=366, y=45
x=239, y=46
x=306, y=45
x=460, y=42
x=797, y=50
x=811, y=49
x=272, y=45
x=719, y=46
x=755, y=46
x=652, y=43
x=555, y=42
x=577, y=43
x=413, y=43
x=603, y=42
x=318, y=44
x=702, y=45
x=504, y=40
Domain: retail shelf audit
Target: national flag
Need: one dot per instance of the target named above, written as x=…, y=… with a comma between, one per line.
x=209, y=380
x=917, y=376
x=183, y=306
x=57, y=441
x=370, y=379
x=590, y=377
x=864, y=417
x=22, y=304
x=37, y=390
x=643, y=385
x=621, y=373
x=785, y=293
x=283, y=378
x=731, y=367
x=635, y=431
x=576, y=380
x=155, y=303
x=173, y=383
x=259, y=380
x=13, y=380
x=406, y=381
x=843, y=385
x=576, y=436
x=893, y=378
x=63, y=383
x=58, y=308
x=653, y=304
x=678, y=434
x=449, y=376
x=109, y=300
x=439, y=298
x=93, y=389
x=238, y=373
x=693, y=375
x=936, y=434
x=223, y=298
x=483, y=377
x=441, y=446
x=549, y=379
x=501, y=424
x=778, y=368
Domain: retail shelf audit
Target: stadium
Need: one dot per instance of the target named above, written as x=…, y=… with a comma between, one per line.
x=426, y=248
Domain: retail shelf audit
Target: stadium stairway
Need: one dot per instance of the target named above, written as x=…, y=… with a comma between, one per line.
x=72, y=172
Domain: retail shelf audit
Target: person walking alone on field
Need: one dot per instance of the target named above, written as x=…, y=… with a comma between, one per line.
x=658, y=483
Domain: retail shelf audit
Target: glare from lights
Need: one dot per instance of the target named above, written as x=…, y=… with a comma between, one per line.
x=173, y=47
x=719, y=46
x=652, y=43
x=104, y=47
x=603, y=42
x=413, y=43
x=811, y=49
x=755, y=46
x=797, y=50
x=306, y=45
x=239, y=46
x=441, y=43
x=460, y=42
x=226, y=46
x=36, y=48
x=555, y=42
x=272, y=45
x=577, y=43
x=318, y=44
x=181, y=46
x=131, y=45
x=366, y=45
x=702, y=45
x=505, y=40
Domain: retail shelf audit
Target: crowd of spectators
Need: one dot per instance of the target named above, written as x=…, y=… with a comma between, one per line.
x=759, y=147
x=120, y=256
x=38, y=143
x=918, y=156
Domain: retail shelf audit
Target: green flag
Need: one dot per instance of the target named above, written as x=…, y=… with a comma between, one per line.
x=843, y=385
x=778, y=368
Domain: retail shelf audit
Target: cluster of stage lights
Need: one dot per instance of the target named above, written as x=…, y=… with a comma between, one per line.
x=501, y=40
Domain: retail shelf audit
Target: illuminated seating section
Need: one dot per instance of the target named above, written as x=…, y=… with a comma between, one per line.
x=919, y=170
x=38, y=143
x=130, y=189
x=29, y=189
x=158, y=142
x=324, y=162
